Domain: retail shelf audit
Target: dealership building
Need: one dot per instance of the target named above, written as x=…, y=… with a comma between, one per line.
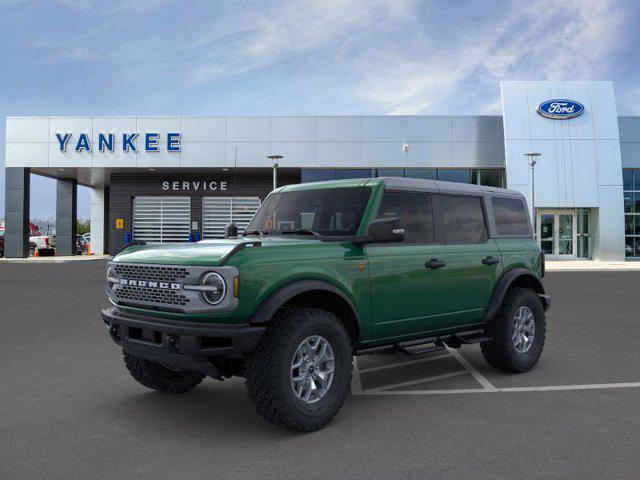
x=183, y=178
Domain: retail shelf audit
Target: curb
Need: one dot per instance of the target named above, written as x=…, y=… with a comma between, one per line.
x=38, y=260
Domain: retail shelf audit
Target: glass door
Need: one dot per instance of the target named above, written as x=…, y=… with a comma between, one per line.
x=566, y=243
x=546, y=233
x=557, y=234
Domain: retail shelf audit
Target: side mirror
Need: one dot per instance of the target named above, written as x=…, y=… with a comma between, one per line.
x=231, y=230
x=385, y=230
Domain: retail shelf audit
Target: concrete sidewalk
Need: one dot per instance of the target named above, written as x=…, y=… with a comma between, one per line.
x=590, y=265
x=552, y=266
x=54, y=259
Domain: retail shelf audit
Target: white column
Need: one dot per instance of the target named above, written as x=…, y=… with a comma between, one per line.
x=610, y=227
x=97, y=221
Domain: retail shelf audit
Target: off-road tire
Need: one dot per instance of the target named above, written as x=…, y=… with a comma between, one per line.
x=157, y=377
x=268, y=372
x=500, y=351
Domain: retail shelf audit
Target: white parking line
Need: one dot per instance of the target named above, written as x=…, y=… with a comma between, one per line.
x=545, y=388
x=356, y=383
x=401, y=364
x=481, y=379
x=553, y=388
x=487, y=386
x=416, y=382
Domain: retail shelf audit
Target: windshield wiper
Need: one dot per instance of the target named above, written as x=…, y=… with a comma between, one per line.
x=255, y=232
x=301, y=231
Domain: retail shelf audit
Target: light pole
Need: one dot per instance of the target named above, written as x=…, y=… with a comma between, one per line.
x=274, y=162
x=532, y=163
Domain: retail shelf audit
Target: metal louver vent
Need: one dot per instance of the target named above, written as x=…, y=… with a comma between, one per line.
x=217, y=212
x=161, y=219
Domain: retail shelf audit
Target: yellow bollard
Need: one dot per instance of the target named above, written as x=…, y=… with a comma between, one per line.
x=88, y=248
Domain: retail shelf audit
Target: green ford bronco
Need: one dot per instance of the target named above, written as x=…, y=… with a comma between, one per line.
x=325, y=271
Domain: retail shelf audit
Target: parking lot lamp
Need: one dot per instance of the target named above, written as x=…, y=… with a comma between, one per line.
x=274, y=163
x=531, y=156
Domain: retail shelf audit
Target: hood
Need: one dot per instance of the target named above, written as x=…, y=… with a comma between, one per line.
x=206, y=252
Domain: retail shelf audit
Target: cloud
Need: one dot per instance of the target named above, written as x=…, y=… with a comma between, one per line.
x=390, y=56
x=288, y=30
x=538, y=40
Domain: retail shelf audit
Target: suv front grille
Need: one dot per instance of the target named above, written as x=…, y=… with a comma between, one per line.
x=151, y=295
x=162, y=287
x=151, y=272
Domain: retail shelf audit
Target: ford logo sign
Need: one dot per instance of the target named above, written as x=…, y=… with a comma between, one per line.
x=560, y=109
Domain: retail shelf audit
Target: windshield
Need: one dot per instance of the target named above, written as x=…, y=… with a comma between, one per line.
x=328, y=212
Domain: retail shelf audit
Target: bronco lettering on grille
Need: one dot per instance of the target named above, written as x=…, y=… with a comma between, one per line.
x=150, y=284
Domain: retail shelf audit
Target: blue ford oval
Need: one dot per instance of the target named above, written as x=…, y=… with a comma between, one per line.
x=560, y=109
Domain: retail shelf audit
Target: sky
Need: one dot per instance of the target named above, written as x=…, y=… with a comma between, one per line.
x=147, y=57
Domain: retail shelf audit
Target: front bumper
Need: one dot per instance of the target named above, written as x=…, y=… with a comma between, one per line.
x=185, y=345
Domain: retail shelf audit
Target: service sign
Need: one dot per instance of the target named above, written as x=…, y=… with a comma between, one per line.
x=149, y=141
x=560, y=109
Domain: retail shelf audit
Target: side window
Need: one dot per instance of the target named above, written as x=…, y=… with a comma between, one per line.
x=511, y=216
x=463, y=219
x=415, y=211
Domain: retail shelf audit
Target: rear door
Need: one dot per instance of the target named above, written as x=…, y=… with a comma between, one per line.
x=407, y=295
x=475, y=263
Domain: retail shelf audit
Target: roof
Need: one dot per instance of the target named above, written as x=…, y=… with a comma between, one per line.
x=352, y=182
x=442, y=186
x=401, y=183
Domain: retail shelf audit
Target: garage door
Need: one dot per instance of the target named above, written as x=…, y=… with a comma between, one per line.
x=217, y=212
x=161, y=219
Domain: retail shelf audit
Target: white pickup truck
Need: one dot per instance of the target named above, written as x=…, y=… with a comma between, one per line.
x=46, y=244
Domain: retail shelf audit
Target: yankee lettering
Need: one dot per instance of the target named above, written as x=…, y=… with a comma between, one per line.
x=129, y=142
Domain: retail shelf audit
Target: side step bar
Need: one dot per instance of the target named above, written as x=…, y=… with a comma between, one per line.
x=420, y=346
x=420, y=349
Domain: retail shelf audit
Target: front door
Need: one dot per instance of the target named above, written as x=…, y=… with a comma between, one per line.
x=409, y=280
x=556, y=233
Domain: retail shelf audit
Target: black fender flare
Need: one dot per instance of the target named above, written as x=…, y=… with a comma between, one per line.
x=277, y=299
x=505, y=283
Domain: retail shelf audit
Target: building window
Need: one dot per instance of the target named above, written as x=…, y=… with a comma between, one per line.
x=631, y=185
x=390, y=172
x=491, y=177
x=424, y=173
x=460, y=175
x=346, y=173
x=317, y=174
x=321, y=174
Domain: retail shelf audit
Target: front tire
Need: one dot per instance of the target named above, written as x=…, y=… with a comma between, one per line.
x=517, y=332
x=155, y=376
x=300, y=373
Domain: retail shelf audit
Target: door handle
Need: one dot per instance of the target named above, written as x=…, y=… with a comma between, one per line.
x=490, y=261
x=434, y=263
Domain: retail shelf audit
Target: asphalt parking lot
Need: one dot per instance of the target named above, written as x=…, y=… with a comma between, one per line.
x=68, y=408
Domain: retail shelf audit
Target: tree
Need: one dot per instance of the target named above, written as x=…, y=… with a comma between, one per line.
x=84, y=226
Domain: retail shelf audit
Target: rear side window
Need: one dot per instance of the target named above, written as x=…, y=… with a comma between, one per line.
x=414, y=209
x=510, y=215
x=463, y=219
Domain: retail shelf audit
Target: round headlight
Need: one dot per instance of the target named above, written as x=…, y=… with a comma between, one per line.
x=216, y=288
